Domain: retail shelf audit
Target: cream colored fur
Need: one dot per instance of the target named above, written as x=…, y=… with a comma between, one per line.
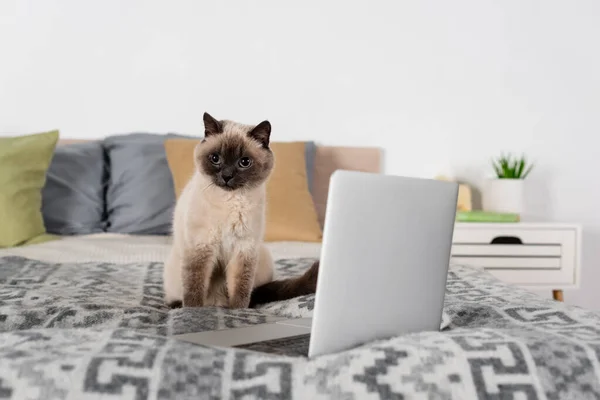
x=228, y=222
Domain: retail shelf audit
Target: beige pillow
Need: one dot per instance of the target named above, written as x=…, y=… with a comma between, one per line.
x=291, y=213
x=180, y=156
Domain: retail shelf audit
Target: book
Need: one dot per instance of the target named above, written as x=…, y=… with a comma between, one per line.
x=486, y=216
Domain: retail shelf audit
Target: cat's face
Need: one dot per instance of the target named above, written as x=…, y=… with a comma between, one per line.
x=235, y=156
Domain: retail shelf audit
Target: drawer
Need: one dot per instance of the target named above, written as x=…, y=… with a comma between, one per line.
x=484, y=249
x=521, y=254
x=511, y=236
x=510, y=262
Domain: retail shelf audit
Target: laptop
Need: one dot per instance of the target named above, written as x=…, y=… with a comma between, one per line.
x=384, y=263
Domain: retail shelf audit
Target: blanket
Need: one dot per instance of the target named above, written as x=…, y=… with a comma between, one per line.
x=100, y=330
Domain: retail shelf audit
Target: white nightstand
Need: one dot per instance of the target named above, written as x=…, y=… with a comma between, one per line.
x=531, y=255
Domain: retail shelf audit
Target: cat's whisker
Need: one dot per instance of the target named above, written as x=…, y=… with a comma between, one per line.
x=207, y=186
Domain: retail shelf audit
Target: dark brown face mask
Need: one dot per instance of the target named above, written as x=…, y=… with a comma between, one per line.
x=235, y=160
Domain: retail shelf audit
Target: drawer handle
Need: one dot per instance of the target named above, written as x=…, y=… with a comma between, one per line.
x=506, y=240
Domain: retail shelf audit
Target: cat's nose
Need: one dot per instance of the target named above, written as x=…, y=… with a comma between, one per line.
x=227, y=177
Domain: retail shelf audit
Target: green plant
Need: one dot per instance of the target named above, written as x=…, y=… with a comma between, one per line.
x=507, y=167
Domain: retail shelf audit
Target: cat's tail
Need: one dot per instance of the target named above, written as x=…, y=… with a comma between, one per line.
x=286, y=288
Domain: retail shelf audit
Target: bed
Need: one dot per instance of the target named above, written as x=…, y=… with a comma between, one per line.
x=84, y=317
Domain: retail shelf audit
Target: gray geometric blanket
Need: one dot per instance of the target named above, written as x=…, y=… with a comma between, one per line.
x=98, y=330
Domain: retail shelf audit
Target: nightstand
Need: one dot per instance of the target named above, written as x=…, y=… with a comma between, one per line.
x=531, y=255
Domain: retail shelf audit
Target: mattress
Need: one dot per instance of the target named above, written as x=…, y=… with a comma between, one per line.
x=84, y=317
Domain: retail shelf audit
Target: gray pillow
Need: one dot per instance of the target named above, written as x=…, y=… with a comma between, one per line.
x=309, y=154
x=73, y=196
x=140, y=196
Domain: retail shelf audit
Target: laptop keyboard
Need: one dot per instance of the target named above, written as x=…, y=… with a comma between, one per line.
x=289, y=346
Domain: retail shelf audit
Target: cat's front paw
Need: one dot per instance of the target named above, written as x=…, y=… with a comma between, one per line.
x=239, y=302
x=192, y=300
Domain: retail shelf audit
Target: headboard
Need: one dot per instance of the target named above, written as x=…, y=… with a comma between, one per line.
x=327, y=160
x=331, y=158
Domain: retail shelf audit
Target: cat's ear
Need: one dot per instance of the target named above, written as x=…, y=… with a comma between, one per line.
x=211, y=125
x=261, y=133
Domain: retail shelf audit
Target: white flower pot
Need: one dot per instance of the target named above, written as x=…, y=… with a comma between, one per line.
x=504, y=195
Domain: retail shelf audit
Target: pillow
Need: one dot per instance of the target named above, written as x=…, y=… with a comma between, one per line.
x=24, y=161
x=140, y=194
x=291, y=214
x=180, y=159
x=73, y=197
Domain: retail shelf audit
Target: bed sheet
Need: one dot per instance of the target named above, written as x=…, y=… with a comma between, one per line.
x=122, y=248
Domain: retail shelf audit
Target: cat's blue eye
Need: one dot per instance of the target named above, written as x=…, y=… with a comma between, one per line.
x=245, y=162
x=214, y=158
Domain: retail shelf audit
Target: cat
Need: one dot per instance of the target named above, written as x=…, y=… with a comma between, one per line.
x=218, y=256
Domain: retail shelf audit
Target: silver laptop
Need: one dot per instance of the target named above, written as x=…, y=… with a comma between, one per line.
x=384, y=262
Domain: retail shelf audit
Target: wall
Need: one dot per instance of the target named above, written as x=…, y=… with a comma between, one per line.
x=438, y=84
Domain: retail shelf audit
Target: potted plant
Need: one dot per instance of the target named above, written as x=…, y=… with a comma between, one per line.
x=504, y=192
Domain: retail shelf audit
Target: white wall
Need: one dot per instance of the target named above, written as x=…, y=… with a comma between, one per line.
x=438, y=84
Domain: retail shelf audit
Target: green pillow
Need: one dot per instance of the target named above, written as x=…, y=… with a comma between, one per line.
x=24, y=161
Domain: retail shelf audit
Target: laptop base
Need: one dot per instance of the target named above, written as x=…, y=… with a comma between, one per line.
x=253, y=335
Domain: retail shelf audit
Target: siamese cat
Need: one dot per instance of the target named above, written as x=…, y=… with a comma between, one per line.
x=218, y=257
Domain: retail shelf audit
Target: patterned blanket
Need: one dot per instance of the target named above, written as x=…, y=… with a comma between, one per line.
x=100, y=330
